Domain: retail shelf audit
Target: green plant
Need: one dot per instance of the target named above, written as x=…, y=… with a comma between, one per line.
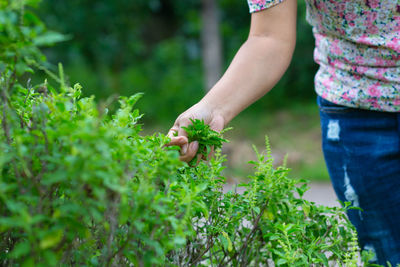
x=79, y=186
x=269, y=222
x=82, y=187
x=207, y=138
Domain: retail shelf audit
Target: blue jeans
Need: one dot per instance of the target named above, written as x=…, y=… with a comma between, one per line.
x=362, y=153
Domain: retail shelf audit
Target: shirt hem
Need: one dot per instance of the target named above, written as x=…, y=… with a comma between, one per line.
x=265, y=6
x=331, y=97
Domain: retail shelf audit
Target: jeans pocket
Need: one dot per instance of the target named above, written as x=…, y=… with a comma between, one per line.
x=328, y=107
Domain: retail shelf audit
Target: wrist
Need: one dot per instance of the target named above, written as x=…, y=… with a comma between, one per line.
x=217, y=110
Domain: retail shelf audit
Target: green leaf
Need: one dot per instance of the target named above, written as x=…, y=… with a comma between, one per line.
x=281, y=262
x=21, y=249
x=22, y=67
x=50, y=38
x=306, y=209
x=29, y=263
x=228, y=244
x=179, y=240
x=324, y=259
x=205, y=136
x=51, y=239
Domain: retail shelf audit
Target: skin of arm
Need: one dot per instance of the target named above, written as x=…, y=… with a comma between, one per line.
x=256, y=68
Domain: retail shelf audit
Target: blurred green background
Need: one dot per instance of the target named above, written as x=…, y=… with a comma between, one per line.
x=122, y=47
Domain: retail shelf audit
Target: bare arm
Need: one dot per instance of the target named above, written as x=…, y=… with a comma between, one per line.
x=257, y=67
x=259, y=63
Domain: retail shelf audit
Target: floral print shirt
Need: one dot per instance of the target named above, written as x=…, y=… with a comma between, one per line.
x=357, y=49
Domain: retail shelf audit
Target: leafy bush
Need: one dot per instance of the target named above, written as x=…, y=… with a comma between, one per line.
x=82, y=187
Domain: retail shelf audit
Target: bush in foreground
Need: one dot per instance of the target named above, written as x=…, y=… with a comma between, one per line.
x=80, y=187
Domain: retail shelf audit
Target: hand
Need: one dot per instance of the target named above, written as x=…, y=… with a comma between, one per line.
x=178, y=135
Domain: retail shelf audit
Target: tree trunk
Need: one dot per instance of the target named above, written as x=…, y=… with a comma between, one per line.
x=211, y=43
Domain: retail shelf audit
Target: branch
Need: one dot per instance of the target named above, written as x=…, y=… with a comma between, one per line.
x=325, y=234
x=6, y=130
x=112, y=216
x=13, y=77
x=255, y=226
x=209, y=245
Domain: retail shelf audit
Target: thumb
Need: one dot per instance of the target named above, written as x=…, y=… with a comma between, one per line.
x=183, y=123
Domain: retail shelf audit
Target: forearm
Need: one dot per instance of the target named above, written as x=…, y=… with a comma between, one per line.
x=259, y=63
x=256, y=68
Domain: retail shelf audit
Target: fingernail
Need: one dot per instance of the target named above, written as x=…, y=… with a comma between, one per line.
x=184, y=149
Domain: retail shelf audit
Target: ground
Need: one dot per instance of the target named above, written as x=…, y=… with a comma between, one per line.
x=293, y=131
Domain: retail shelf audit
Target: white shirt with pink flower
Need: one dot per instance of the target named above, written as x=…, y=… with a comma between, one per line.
x=357, y=49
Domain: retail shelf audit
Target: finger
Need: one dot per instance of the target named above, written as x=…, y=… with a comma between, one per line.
x=211, y=154
x=183, y=133
x=178, y=141
x=199, y=158
x=173, y=132
x=181, y=141
x=183, y=123
x=208, y=154
x=191, y=152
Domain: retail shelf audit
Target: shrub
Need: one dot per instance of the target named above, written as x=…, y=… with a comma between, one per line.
x=82, y=187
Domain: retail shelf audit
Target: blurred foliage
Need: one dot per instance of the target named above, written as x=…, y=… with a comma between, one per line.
x=121, y=47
